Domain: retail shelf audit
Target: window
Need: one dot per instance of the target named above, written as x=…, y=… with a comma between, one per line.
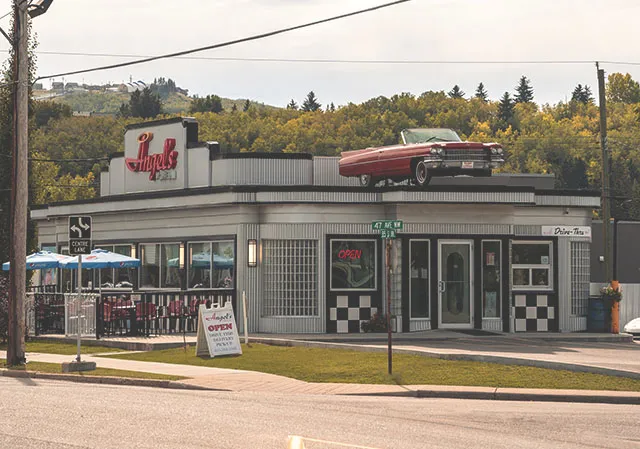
x=290, y=270
x=353, y=264
x=531, y=264
x=116, y=277
x=49, y=276
x=211, y=264
x=491, y=278
x=160, y=265
x=70, y=277
x=419, y=275
x=580, y=278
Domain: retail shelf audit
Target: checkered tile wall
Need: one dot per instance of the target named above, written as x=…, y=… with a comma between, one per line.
x=347, y=312
x=534, y=312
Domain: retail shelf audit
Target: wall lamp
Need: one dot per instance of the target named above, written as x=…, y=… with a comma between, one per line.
x=181, y=258
x=252, y=259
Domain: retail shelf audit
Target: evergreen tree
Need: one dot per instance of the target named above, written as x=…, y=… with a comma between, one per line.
x=292, y=105
x=210, y=103
x=310, y=103
x=582, y=94
x=247, y=105
x=234, y=108
x=481, y=93
x=505, y=111
x=332, y=107
x=456, y=92
x=524, y=91
x=145, y=104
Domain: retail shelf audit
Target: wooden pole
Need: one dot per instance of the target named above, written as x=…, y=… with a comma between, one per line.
x=20, y=193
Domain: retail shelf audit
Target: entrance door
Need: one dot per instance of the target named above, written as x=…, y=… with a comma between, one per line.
x=455, y=283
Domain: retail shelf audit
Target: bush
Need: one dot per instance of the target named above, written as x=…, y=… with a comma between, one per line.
x=378, y=323
x=4, y=308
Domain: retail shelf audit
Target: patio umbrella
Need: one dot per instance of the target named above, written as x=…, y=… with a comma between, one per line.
x=101, y=258
x=42, y=260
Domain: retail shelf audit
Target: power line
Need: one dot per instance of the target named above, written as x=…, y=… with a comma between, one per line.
x=347, y=61
x=225, y=44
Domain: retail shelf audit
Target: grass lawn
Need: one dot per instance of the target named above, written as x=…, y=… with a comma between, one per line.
x=63, y=348
x=337, y=365
x=57, y=368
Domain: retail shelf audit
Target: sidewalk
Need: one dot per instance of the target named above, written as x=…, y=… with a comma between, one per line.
x=251, y=381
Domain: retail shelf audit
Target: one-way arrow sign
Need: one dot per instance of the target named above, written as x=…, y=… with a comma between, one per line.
x=79, y=235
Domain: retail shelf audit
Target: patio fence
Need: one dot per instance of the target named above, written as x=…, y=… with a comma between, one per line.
x=154, y=313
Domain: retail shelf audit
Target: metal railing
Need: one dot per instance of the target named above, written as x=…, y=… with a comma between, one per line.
x=154, y=312
x=80, y=312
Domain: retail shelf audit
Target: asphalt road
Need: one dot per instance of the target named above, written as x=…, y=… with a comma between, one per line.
x=61, y=415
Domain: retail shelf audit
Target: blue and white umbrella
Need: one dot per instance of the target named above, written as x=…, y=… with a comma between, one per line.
x=101, y=258
x=42, y=260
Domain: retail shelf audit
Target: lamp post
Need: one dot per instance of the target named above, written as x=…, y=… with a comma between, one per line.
x=20, y=177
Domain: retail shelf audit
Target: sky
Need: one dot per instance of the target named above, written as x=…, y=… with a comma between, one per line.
x=434, y=30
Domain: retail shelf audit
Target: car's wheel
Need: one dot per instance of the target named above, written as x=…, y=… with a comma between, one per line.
x=421, y=174
x=365, y=180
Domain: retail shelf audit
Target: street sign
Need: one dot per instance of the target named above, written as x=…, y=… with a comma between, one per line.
x=387, y=228
x=380, y=225
x=79, y=235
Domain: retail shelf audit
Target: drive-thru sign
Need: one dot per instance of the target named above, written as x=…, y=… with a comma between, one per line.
x=79, y=235
x=217, y=331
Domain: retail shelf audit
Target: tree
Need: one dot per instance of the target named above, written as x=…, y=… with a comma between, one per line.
x=505, y=111
x=524, y=91
x=45, y=110
x=210, y=103
x=456, y=92
x=234, y=108
x=310, y=103
x=292, y=105
x=481, y=93
x=622, y=89
x=247, y=105
x=582, y=94
x=145, y=104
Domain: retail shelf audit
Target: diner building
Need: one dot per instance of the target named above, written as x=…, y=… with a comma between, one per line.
x=508, y=253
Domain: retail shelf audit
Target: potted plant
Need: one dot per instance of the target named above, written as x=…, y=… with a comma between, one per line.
x=612, y=295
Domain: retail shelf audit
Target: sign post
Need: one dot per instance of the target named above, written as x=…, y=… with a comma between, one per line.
x=79, y=244
x=388, y=230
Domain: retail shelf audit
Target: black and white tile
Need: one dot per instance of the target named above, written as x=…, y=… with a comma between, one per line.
x=348, y=312
x=535, y=313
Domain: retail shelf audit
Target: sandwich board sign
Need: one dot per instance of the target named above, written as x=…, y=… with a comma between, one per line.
x=217, y=331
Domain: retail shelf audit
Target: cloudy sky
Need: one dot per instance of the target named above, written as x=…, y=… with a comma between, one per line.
x=432, y=30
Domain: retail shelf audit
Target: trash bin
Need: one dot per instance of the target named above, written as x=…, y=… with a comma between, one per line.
x=599, y=315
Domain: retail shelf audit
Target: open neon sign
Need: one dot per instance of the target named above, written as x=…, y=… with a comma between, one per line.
x=351, y=254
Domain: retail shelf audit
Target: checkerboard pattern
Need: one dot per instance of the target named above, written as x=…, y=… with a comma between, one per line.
x=535, y=313
x=348, y=312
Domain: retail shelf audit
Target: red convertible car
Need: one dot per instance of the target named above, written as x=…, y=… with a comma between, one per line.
x=423, y=153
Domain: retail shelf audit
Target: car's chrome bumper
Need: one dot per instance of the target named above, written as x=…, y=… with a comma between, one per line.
x=436, y=162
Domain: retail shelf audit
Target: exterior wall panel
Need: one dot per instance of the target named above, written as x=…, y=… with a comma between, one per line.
x=271, y=172
x=325, y=173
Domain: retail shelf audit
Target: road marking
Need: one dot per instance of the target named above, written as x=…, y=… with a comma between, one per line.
x=335, y=443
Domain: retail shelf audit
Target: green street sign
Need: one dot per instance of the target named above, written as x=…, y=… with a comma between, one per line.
x=390, y=234
x=380, y=225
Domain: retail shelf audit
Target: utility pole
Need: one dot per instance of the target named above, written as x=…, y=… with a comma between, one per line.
x=20, y=193
x=20, y=177
x=606, y=178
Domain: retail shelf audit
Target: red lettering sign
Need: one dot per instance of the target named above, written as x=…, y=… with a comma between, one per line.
x=220, y=327
x=350, y=254
x=153, y=163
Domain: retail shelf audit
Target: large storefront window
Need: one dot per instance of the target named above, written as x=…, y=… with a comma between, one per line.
x=491, y=278
x=211, y=264
x=531, y=264
x=419, y=278
x=353, y=264
x=290, y=270
x=170, y=268
x=150, y=266
x=49, y=276
x=116, y=277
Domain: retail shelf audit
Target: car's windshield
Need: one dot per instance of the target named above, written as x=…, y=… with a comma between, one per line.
x=422, y=135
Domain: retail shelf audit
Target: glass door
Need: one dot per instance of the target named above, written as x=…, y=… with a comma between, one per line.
x=455, y=283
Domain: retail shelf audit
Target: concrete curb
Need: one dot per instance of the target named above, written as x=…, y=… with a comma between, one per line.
x=516, y=394
x=106, y=380
x=457, y=357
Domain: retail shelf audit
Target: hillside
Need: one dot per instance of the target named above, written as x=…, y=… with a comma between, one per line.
x=108, y=102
